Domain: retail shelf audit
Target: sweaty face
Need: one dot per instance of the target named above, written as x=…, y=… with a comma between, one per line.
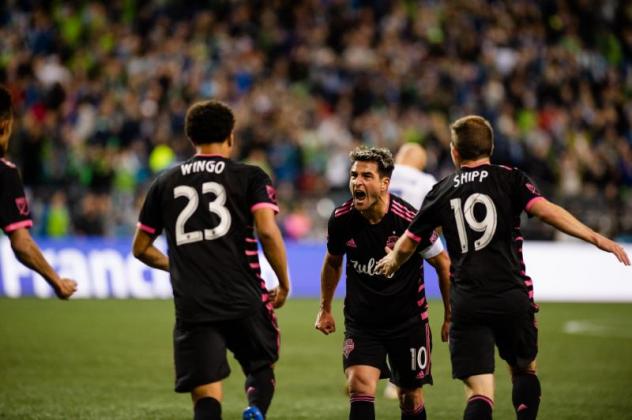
x=365, y=185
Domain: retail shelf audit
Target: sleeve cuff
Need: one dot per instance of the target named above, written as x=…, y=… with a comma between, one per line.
x=412, y=236
x=531, y=202
x=145, y=228
x=18, y=225
x=258, y=206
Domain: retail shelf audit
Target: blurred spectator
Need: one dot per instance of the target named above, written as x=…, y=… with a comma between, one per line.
x=102, y=92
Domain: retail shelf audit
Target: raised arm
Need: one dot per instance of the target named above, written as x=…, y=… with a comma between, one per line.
x=144, y=249
x=404, y=248
x=274, y=250
x=329, y=278
x=29, y=254
x=441, y=264
x=562, y=220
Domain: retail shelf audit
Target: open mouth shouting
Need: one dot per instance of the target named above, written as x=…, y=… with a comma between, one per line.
x=359, y=197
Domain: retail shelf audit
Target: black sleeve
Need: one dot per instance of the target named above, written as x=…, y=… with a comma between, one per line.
x=421, y=229
x=150, y=219
x=524, y=190
x=14, y=207
x=261, y=193
x=335, y=236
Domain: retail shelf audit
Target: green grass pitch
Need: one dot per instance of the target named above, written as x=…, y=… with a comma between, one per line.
x=89, y=359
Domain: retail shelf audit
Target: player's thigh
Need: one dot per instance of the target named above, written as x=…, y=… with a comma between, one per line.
x=254, y=340
x=517, y=339
x=199, y=356
x=471, y=348
x=364, y=349
x=409, y=357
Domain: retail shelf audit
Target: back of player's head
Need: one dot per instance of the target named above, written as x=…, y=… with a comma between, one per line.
x=473, y=137
x=6, y=108
x=382, y=157
x=411, y=154
x=209, y=122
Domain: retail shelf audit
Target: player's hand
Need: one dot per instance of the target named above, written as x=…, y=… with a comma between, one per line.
x=386, y=266
x=325, y=322
x=608, y=245
x=65, y=288
x=278, y=295
x=445, y=330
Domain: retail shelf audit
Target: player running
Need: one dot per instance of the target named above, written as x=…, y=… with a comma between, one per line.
x=209, y=208
x=385, y=316
x=479, y=209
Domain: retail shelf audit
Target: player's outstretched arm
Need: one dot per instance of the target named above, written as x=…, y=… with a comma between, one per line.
x=441, y=264
x=143, y=248
x=274, y=249
x=29, y=254
x=404, y=248
x=561, y=219
x=329, y=278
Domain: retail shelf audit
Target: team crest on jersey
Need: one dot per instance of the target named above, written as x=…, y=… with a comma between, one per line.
x=351, y=243
x=390, y=241
x=348, y=347
x=532, y=188
x=271, y=193
x=22, y=205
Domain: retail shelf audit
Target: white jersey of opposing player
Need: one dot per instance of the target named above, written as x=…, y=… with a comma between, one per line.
x=411, y=184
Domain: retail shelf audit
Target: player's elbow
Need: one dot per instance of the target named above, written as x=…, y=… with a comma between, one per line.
x=138, y=251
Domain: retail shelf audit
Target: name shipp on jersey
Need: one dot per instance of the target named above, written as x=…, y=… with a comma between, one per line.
x=465, y=177
x=210, y=166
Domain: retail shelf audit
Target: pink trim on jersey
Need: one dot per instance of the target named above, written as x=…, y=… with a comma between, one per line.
x=519, y=238
x=254, y=265
x=343, y=210
x=252, y=253
x=530, y=294
x=209, y=155
x=427, y=370
x=264, y=206
x=401, y=208
x=146, y=228
x=251, y=240
x=421, y=301
x=421, y=287
x=424, y=315
x=412, y=236
x=484, y=398
x=532, y=202
x=18, y=225
x=506, y=167
x=528, y=282
x=8, y=163
x=404, y=216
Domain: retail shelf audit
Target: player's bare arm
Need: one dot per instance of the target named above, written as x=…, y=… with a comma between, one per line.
x=404, y=248
x=329, y=278
x=29, y=254
x=562, y=220
x=441, y=264
x=144, y=249
x=272, y=242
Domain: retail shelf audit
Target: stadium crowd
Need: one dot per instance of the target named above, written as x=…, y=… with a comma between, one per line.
x=101, y=92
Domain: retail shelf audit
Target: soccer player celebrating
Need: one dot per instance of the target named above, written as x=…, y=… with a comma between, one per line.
x=385, y=316
x=15, y=216
x=479, y=209
x=207, y=207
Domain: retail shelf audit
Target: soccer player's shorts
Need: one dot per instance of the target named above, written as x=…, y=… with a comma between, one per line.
x=200, y=349
x=472, y=340
x=408, y=354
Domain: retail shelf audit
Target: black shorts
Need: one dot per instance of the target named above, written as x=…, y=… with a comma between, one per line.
x=409, y=359
x=200, y=349
x=472, y=340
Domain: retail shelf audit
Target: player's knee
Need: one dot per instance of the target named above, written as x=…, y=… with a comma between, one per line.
x=262, y=377
x=523, y=367
x=410, y=399
x=360, y=384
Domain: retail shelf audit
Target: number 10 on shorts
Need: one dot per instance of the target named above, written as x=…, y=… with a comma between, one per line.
x=418, y=358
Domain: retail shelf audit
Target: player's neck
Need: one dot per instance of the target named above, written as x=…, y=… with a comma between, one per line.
x=213, y=149
x=474, y=163
x=376, y=212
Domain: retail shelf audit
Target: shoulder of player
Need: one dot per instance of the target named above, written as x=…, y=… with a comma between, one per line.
x=343, y=211
x=402, y=208
x=8, y=168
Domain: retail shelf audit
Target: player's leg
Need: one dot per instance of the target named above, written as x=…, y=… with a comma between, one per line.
x=472, y=357
x=362, y=383
x=410, y=362
x=255, y=344
x=200, y=359
x=517, y=342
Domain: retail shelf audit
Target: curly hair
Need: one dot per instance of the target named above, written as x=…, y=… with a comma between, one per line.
x=209, y=122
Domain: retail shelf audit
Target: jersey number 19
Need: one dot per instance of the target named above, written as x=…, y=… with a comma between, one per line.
x=487, y=225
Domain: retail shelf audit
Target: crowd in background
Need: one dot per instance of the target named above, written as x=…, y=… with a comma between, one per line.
x=101, y=91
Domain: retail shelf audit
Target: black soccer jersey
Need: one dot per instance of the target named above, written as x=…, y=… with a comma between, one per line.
x=373, y=302
x=479, y=210
x=14, y=208
x=205, y=205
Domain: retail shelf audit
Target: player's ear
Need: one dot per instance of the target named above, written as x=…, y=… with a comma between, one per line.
x=386, y=181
